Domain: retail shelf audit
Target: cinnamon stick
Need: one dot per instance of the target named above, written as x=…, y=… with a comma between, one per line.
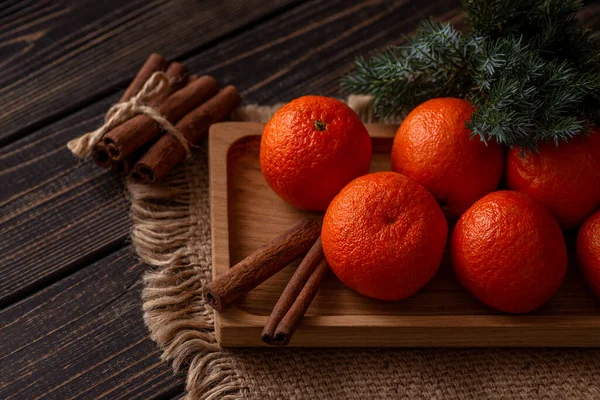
x=120, y=167
x=125, y=166
x=289, y=323
x=178, y=74
x=126, y=138
x=130, y=167
x=154, y=63
x=292, y=290
x=262, y=264
x=100, y=155
x=167, y=152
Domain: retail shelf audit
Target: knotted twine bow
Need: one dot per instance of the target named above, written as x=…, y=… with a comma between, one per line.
x=121, y=112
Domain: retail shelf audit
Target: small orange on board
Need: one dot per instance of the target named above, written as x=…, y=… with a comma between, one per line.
x=588, y=251
x=509, y=252
x=384, y=235
x=566, y=179
x=434, y=147
x=311, y=148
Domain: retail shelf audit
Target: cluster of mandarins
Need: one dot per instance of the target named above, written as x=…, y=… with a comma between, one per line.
x=384, y=233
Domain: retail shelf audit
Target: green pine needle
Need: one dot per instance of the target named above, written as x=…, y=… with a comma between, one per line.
x=528, y=66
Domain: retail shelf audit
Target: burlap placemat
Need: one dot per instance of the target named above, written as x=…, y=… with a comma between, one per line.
x=171, y=231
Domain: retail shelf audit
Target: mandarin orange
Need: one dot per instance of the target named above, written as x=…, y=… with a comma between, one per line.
x=384, y=235
x=311, y=148
x=588, y=251
x=434, y=147
x=509, y=252
x=566, y=179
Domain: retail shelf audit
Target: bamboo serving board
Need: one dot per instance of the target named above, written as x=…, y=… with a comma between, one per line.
x=246, y=213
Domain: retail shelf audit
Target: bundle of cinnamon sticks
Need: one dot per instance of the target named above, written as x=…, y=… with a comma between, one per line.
x=302, y=238
x=190, y=103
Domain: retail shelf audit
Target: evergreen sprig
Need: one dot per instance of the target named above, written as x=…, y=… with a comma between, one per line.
x=432, y=64
x=528, y=66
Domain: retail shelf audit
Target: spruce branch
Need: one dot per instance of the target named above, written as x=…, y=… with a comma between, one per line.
x=524, y=98
x=528, y=66
x=432, y=64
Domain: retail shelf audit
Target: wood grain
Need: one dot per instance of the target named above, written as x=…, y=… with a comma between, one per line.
x=57, y=214
x=306, y=50
x=245, y=214
x=59, y=55
x=84, y=337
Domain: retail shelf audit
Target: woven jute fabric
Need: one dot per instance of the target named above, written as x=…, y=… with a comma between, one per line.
x=171, y=232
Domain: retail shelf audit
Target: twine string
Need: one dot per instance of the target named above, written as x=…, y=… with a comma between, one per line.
x=121, y=112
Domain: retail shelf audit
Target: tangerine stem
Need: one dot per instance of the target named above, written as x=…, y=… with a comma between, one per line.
x=320, y=125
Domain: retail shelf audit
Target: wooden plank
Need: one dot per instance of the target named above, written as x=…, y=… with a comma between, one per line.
x=246, y=213
x=307, y=50
x=59, y=55
x=84, y=337
x=56, y=213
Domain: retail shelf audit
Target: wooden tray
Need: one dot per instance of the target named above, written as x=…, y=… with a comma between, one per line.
x=245, y=214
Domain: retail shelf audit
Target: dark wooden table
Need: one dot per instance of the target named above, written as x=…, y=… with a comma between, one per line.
x=71, y=323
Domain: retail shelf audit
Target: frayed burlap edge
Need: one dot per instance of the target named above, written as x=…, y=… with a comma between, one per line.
x=171, y=233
